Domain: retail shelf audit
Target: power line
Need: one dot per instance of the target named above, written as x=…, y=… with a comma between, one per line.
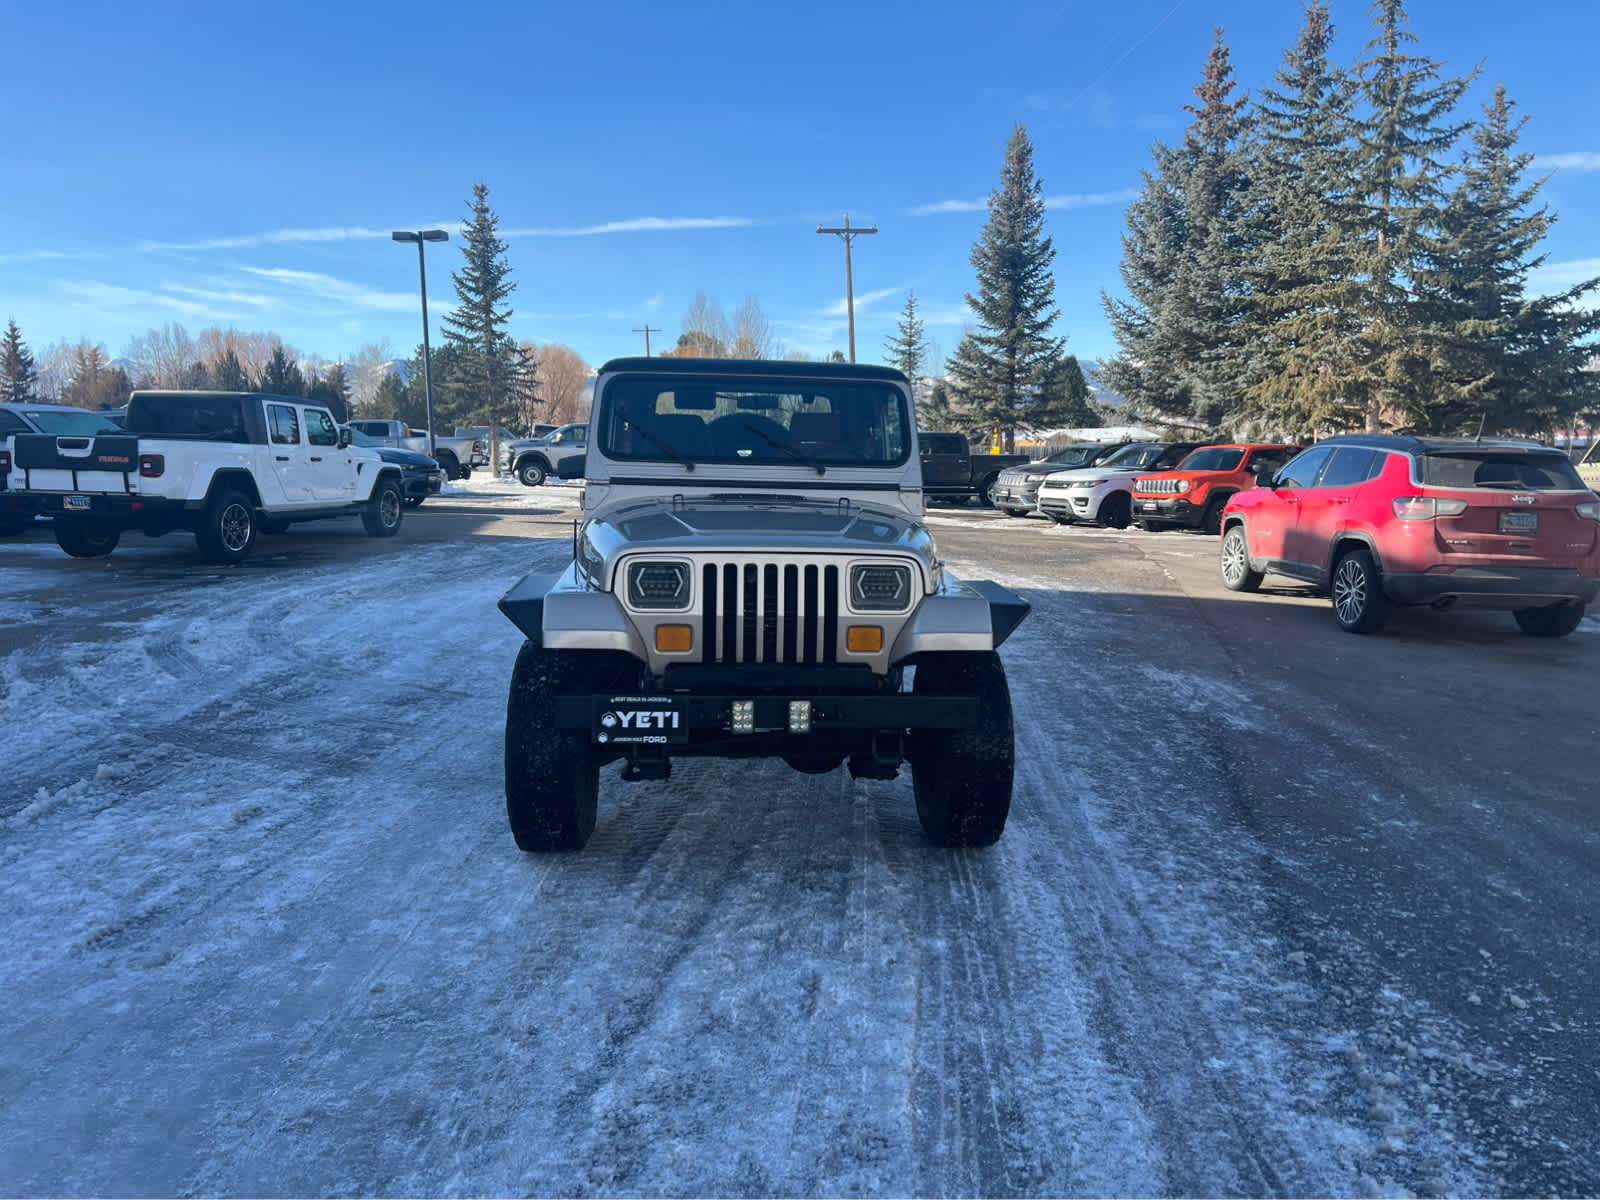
x=847, y=235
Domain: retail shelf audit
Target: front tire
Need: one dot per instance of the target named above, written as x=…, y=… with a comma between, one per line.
x=1237, y=574
x=531, y=473
x=227, y=532
x=448, y=463
x=1116, y=510
x=83, y=539
x=962, y=778
x=553, y=775
x=986, y=491
x=1550, y=622
x=1359, y=604
x=384, y=510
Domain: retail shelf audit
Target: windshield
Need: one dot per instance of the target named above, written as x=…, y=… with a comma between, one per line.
x=1213, y=458
x=811, y=422
x=1133, y=456
x=70, y=422
x=357, y=438
x=1074, y=456
x=1533, y=471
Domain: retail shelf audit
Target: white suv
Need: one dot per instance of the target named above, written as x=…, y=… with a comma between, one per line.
x=1104, y=494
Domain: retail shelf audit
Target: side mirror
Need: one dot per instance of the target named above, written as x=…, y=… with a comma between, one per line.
x=344, y=438
x=571, y=468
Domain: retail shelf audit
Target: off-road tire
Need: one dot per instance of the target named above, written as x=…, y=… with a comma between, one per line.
x=553, y=775
x=384, y=510
x=1116, y=510
x=962, y=778
x=531, y=472
x=1356, y=591
x=986, y=491
x=227, y=531
x=1234, y=562
x=1549, y=622
x=85, y=539
x=448, y=463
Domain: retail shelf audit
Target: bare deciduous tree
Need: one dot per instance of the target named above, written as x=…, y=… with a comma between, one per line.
x=53, y=372
x=366, y=369
x=752, y=334
x=562, y=379
x=158, y=358
x=705, y=329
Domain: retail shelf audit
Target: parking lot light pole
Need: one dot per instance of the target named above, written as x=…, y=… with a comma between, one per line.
x=420, y=236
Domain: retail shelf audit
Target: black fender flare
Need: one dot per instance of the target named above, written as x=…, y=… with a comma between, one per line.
x=1343, y=539
x=232, y=477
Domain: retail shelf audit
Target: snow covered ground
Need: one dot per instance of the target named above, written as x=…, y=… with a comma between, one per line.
x=264, y=930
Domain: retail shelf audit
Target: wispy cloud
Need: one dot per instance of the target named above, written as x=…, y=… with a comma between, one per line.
x=841, y=308
x=1057, y=203
x=276, y=237
x=27, y=256
x=111, y=296
x=327, y=287
x=255, y=300
x=1559, y=276
x=1582, y=160
x=636, y=225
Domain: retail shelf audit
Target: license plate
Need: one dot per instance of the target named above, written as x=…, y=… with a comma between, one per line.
x=641, y=720
x=1519, y=522
x=82, y=503
x=1151, y=506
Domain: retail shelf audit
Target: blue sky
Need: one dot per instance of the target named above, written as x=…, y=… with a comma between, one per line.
x=243, y=163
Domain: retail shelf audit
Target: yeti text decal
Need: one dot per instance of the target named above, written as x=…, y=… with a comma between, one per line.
x=641, y=719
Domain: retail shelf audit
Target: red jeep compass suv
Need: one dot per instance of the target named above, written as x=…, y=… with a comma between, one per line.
x=1380, y=520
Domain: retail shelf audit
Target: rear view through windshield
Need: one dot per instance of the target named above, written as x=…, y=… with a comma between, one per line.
x=753, y=421
x=66, y=423
x=1532, y=472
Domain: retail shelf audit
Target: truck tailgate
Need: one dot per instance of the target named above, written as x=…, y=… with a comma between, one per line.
x=107, y=462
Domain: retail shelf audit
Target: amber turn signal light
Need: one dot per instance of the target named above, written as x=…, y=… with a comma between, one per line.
x=674, y=639
x=864, y=639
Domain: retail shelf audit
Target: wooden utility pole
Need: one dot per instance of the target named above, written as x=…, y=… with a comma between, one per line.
x=847, y=235
x=647, y=331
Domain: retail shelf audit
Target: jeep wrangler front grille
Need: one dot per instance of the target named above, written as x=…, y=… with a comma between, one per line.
x=772, y=613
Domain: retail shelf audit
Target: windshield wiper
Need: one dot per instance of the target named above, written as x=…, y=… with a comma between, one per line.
x=661, y=444
x=788, y=448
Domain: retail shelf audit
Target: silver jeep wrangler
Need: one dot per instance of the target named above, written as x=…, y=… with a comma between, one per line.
x=752, y=579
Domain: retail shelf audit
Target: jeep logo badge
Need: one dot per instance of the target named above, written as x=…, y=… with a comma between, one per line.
x=1524, y=499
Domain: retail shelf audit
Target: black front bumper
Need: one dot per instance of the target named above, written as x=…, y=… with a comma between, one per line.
x=1171, y=509
x=1494, y=587
x=422, y=483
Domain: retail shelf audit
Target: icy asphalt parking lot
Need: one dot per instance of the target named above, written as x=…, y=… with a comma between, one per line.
x=1279, y=910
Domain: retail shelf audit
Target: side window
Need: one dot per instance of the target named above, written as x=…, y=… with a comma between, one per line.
x=11, y=423
x=320, y=430
x=1302, y=471
x=283, y=425
x=1349, y=466
x=1267, y=460
x=1171, y=457
x=580, y=433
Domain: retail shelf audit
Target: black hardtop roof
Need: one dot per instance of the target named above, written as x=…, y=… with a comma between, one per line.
x=761, y=368
x=192, y=394
x=1406, y=444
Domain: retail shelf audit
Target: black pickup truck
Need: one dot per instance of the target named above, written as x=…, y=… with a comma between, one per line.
x=951, y=471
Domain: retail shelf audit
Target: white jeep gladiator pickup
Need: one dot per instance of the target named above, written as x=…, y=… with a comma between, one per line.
x=223, y=465
x=752, y=578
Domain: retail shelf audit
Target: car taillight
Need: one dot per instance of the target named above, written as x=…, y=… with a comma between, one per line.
x=152, y=466
x=1589, y=509
x=1425, y=508
x=477, y=447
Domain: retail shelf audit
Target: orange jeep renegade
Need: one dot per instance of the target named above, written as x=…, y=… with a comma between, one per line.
x=1195, y=492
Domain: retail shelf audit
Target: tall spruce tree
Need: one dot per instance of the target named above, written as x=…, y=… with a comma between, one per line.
x=1308, y=375
x=1000, y=367
x=229, y=375
x=1403, y=180
x=908, y=348
x=282, y=376
x=491, y=373
x=1501, y=361
x=19, y=377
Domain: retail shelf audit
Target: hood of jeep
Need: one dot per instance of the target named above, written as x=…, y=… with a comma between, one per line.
x=743, y=523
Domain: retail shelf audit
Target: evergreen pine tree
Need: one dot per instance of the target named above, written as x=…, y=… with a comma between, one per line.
x=195, y=377
x=1308, y=376
x=937, y=413
x=281, y=376
x=907, y=349
x=394, y=401
x=90, y=384
x=19, y=377
x=1402, y=181
x=228, y=375
x=1065, y=396
x=1000, y=367
x=491, y=372
x=1500, y=361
